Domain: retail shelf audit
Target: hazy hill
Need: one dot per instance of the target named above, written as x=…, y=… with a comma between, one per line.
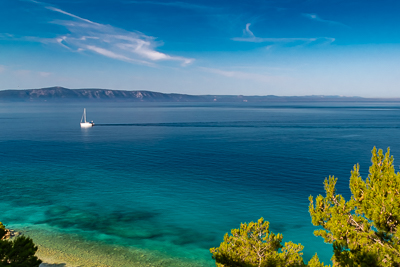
x=60, y=94
x=64, y=94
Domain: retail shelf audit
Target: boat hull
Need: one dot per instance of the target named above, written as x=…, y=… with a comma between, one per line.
x=86, y=124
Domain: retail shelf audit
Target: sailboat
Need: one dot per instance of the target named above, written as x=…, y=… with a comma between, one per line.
x=84, y=123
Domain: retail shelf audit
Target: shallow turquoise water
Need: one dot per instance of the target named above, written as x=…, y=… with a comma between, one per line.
x=175, y=177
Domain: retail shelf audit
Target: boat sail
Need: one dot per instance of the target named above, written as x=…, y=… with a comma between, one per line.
x=84, y=123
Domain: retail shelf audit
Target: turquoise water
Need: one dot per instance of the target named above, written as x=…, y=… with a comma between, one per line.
x=173, y=178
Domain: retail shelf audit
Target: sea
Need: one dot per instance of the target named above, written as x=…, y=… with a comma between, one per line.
x=159, y=184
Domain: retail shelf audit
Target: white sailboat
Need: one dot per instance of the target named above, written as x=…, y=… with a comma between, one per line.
x=84, y=123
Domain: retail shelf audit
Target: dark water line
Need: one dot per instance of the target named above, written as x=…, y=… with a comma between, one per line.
x=223, y=125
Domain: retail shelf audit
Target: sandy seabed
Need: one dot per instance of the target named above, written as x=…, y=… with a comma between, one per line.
x=65, y=250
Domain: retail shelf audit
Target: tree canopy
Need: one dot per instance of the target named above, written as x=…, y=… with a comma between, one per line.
x=253, y=244
x=364, y=231
x=2, y=230
x=19, y=252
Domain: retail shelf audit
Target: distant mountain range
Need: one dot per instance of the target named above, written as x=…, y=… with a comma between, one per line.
x=60, y=94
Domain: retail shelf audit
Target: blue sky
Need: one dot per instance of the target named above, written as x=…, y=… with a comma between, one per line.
x=285, y=47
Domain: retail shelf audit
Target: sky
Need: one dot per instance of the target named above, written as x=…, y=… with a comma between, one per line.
x=252, y=47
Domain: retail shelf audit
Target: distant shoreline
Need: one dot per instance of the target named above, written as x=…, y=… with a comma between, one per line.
x=60, y=94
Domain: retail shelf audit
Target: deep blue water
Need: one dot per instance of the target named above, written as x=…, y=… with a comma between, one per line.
x=175, y=177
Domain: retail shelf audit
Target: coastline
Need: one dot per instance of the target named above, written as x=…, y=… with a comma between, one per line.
x=58, y=249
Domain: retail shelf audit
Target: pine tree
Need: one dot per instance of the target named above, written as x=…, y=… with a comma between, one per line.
x=2, y=230
x=254, y=245
x=19, y=252
x=365, y=230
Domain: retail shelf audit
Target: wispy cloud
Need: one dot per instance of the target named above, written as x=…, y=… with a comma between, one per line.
x=22, y=73
x=317, y=18
x=69, y=14
x=44, y=74
x=248, y=36
x=106, y=40
x=242, y=75
x=174, y=4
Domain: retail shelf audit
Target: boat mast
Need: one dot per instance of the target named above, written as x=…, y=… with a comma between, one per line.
x=84, y=114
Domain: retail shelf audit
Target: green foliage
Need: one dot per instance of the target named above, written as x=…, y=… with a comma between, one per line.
x=19, y=252
x=2, y=230
x=365, y=230
x=314, y=262
x=254, y=245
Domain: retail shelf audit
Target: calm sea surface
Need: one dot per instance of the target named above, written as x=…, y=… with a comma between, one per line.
x=173, y=178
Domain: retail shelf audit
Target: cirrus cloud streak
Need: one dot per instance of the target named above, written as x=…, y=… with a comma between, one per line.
x=107, y=40
x=263, y=78
x=248, y=36
x=317, y=18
